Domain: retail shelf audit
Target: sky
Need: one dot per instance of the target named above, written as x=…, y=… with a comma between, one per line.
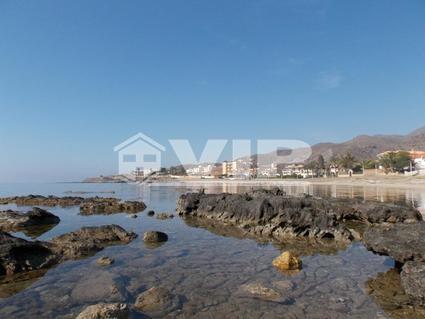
x=79, y=77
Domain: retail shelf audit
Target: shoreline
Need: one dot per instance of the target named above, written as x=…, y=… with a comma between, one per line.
x=384, y=181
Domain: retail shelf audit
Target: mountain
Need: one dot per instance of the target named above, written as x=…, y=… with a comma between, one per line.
x=363, y=147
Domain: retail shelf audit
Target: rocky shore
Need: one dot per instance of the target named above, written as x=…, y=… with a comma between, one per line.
x=387, y=229
x=19, y=255
x=276, y=215
x=15, y=221
x=88, y=205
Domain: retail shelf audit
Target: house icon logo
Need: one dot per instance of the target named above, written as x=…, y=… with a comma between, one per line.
x=139, y=156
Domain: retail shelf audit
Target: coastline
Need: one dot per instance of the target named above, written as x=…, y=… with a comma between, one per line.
x=381, y=181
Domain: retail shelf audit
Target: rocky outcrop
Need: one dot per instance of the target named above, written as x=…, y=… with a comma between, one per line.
x=88, y=206
x=14, y=221
x=273, y=214
x=406, y=245
x=19, y=255
x=89, y=240
x=105, y=311
x=108, y=206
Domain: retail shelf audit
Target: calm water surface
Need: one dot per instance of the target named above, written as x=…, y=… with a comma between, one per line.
x=207, y=265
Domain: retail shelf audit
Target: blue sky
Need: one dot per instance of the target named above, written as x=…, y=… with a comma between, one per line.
x=78, y=77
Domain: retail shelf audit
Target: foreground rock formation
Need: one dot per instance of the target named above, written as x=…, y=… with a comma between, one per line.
x=88, y=206
x=15, y=221
x=274, y=214
x=406, y=245
x=18, y=255
x=105, y=311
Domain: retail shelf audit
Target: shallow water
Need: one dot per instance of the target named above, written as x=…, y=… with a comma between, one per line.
x=207, y=265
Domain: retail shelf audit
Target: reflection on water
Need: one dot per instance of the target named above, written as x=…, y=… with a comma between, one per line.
x=207, y=264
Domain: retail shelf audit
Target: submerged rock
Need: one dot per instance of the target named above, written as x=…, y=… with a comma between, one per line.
x=15, y=221
x=158, y=301
x=274, y=214
x=104, y=261
x=105, y=311
x=19, y=255
x=287, y=261
x=155, y=237
x=257, y=290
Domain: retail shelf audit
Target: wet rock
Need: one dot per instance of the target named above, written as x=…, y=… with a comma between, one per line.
x=413, y=281
x=15, y=221
x=158, y=301
x=287, y=261
x=88, y=206
x=19, y=255
x=133, y=216
x=274, y=214
x=155, y=237
x=89, y=240
x=151, y=213
x=402, y=242
x=105, y=261
x=105, y=311
x=108, y=206
x=163, y=216
x=260, y=291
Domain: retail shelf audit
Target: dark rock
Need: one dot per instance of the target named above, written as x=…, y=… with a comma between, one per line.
x=401, y=242
x=110, y=206
x=19, y=255
x=154, y=237
x=164, y=216
x=105, y=311
x=15, y=221
x=88, y=206
x=151, y=213
x=274, y=214
x=89, y=240
x=413, y=280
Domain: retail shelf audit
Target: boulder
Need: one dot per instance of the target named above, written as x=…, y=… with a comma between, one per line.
x=155, y=237
x=15, y=221
x=287, y=261
x=105, y=311
x=151, y=213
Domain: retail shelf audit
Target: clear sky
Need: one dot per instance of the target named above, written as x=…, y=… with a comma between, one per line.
x=78, y=77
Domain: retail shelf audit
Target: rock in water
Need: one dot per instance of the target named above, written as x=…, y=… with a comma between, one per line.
x=157, y=301
x=151, y=213
x=105, y=261
x=287, y=261
x=273, y=214
x=163, y=216
x=15, y=221
x=105, y=311
x=257, y=290
x=413, y=280
x=155, y=237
